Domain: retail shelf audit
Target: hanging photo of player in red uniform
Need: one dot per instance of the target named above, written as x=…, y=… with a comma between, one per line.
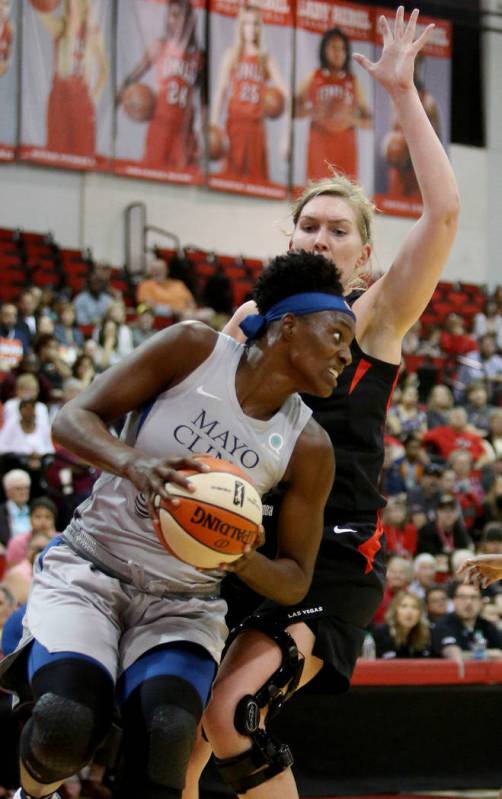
x=396, y=186
x=333, y=104
x=159, y=120
x=250, y=51
x=8, y=78
x=66, y=97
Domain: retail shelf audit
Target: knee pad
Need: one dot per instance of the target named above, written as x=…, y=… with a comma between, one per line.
x=57, y=740
x=71, y=715
x=267, y=756
x=160, y=723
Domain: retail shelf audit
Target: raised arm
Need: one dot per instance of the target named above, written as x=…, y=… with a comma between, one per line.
x=309, y=479
x=81, y=426
x=392, y=305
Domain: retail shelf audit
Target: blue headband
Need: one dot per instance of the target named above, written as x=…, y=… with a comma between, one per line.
x=297, y=304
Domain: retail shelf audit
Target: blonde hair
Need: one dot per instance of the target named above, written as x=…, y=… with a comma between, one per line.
x=339, y=185
x=238, y=48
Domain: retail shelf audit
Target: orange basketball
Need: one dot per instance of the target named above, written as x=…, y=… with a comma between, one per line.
x=396, y=149
x=214, y=524
x=139, y=102
x=217, y=144
x=273, y=102
x=45, y=6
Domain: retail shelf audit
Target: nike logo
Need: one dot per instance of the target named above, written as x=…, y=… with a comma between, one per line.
x=203, y=393
x=337, y=529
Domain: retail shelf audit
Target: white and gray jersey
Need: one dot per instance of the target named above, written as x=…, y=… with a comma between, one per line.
x=200, y=415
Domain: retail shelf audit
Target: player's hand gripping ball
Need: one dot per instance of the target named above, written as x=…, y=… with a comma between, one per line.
x=214, y=524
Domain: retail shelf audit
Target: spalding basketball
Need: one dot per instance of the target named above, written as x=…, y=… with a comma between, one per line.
x=396, y=149
x=138, y=101
x=45, y=6
x=215, y=523
x=273, y=102
x=217, y=143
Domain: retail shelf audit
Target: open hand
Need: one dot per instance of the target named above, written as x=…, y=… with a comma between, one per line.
x=394, y=70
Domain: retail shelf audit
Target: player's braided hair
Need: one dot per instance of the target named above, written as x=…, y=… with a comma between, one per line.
x=295, y=273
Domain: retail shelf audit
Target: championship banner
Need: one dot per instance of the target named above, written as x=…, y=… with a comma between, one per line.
x=250, y=68
x=396, y=187
x=8, y=78
x=160, y=79
x=67, y=98
x=333, y=104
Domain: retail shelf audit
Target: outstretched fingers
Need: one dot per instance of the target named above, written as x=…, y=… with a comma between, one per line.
x=417, y=46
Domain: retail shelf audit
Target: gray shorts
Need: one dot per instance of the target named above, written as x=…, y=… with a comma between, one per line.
x=75, y=607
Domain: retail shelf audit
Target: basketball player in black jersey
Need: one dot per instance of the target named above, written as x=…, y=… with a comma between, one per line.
x=333, y=217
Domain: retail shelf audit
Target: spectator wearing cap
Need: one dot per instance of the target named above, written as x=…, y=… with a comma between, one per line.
x=491, y=539
x=15, y=511
x=456, y=435
x=143, y=328
x=458, y=634
x=447, y=532
x=423, y=500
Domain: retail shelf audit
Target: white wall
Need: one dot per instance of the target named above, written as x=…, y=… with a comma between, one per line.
x=87, y=210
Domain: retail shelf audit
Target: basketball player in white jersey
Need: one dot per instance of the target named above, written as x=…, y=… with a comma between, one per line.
x=112, y=615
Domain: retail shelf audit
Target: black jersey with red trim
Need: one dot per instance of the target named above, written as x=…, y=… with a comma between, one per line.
x=354, y=418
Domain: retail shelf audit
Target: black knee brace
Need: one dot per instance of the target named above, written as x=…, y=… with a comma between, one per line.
x=160, y=722
x=267, y=756
x=70, y=717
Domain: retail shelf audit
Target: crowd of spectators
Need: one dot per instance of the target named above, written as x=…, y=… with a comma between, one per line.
x=442, y=472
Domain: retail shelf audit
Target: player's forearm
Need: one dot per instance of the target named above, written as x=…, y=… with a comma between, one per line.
x=86, y=435
x=282, y=580
x=430, y=161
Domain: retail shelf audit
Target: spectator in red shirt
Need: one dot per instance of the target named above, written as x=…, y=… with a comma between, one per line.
x=456, y=435
x=454, y=340
x=400, y=533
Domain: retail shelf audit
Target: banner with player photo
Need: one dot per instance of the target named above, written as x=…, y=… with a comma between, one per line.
x=396, y=187
x=333, y=99
x=9, y=47
x=250, y=67
x=160, y=78
x=67, y=97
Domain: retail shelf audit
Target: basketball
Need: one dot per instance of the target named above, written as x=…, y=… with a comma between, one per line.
x=396, y=149
x=273, y=102
x=139, y=102
x=214, y=524
x=217, y=143
x=45, y=6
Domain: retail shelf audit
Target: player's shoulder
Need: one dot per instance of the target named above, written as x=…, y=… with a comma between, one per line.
x=314, y=442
